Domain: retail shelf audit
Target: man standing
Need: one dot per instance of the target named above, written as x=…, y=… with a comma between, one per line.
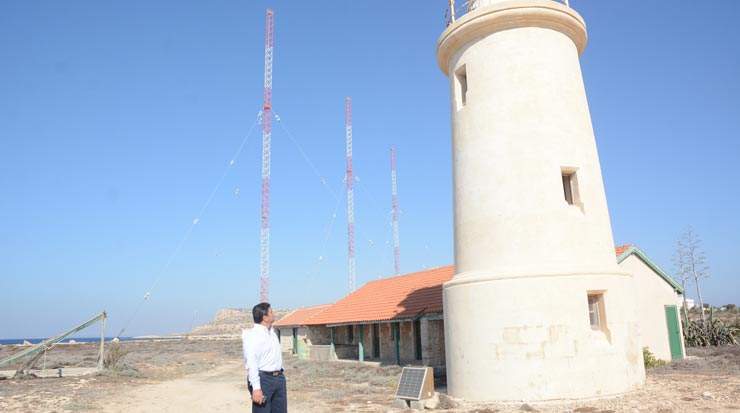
x=264, y=361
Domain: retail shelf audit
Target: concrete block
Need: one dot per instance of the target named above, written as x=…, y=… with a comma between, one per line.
x=400, y=404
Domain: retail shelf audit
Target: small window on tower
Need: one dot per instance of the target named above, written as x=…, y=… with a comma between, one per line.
x=461, y=87
x=596, y=313
x=570, y=186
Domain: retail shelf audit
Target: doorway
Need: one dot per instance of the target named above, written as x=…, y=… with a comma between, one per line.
x=674, y=332
x=376, y=341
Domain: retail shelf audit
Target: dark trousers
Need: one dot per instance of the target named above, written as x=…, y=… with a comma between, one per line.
x=276, y=394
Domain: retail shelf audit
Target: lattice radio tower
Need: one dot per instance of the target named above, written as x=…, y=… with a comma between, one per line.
x=394, y=214
x=349, y=179
x=266, y=151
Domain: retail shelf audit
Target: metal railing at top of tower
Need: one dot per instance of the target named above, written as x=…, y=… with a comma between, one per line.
x=458, y=8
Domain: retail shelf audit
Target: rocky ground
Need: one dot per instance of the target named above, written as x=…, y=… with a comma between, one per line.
x=196, y=375
x=144, y=363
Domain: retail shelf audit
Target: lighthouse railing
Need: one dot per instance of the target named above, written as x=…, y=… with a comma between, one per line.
x=458, y=8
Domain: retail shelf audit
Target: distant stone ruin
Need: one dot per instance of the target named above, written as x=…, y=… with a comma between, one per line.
x=230, y=321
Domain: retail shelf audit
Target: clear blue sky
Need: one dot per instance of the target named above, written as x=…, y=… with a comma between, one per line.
x=118, y=118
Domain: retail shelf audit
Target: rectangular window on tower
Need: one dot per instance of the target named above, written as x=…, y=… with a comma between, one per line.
x=461, y=87
x=570, y=186
x=596, y=310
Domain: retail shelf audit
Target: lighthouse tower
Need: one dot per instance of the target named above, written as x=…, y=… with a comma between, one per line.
x=538, y=308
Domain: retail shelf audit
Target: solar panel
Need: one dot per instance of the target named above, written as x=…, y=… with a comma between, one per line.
x=415, y=383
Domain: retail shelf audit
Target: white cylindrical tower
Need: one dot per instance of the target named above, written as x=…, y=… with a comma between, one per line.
x=538, y=308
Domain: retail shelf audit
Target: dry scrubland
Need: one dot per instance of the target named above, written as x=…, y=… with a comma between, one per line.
x=208, y=376
x=730, y=317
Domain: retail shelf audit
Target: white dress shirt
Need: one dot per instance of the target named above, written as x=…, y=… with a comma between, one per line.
x=262, y=351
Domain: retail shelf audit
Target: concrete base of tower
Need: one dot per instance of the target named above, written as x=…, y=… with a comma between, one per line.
x=541, y=337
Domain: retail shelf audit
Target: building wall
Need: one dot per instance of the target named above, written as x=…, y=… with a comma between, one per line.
x=387, y=345
x=286, y=339
x=408, y=355
x=320, y=335
x=433, y=342
x=341, y=335
x=307, y=337
x=367, y=340
x=345, y=346
x=653, y=294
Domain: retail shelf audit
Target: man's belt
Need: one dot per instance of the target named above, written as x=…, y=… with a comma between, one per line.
x=273, y=373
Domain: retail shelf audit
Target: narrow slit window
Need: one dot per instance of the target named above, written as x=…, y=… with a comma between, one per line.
x=461, y=78
x=351, y=334
x=570, y=186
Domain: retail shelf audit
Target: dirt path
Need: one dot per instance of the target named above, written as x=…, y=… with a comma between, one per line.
x=219, y=390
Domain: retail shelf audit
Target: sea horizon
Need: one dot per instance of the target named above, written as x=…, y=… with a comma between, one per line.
x=37, y=340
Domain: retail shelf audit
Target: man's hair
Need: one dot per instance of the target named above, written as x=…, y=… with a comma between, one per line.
x=259, y=312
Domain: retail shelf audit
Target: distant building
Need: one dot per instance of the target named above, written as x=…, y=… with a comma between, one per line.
x=399, y=320
x=690, y=303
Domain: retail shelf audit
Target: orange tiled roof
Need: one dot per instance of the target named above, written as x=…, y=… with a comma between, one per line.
x=404, y=296
x=621, y=249
x=300, y=316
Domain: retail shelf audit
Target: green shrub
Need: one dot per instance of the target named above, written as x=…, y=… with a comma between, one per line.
x=713, y=333
x=114, y=354
x=650, y=359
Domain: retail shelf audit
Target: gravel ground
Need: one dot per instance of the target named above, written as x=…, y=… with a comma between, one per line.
x=146, y=362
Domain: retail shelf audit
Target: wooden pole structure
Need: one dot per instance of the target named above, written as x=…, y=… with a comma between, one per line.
x=396, y=331
x=361, y=344
x=333, y=350
x=37, y=351
x=102, y=341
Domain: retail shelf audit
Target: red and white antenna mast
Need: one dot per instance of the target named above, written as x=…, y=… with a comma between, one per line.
x=394, y=212
x=266, y=151
x=349, y=179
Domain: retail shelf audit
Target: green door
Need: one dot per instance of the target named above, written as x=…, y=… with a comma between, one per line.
x=674, y=333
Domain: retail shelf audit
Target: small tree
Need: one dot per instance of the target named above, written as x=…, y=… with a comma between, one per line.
x=682, y=276
x=691, y=265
